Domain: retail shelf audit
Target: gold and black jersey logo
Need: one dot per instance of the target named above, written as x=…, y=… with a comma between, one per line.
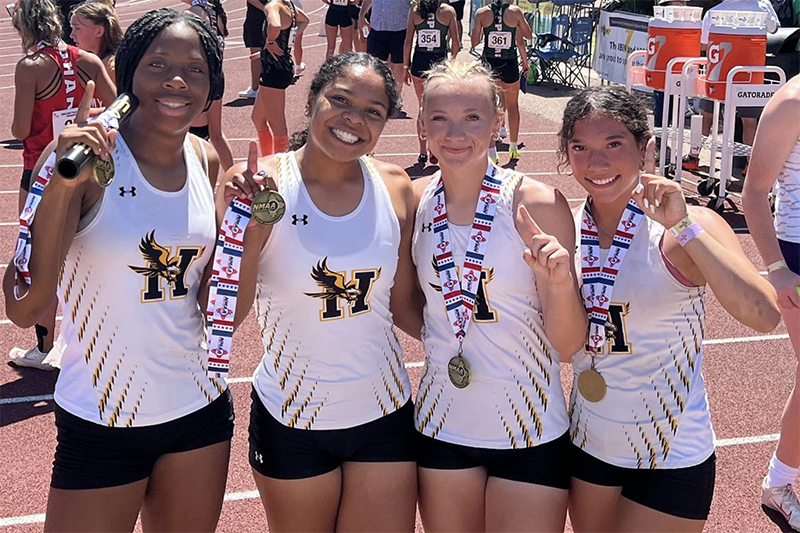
x=339, y=291
x=483, y=309
x=165, y=268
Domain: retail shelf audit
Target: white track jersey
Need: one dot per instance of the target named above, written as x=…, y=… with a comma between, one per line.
x=655, y=413
x=331, y=359
x=787, y=198
x=515, y=399
x=135, y=352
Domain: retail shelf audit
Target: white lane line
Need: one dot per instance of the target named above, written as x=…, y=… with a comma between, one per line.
x=19, y=520
x=406, y=135
x=738, y=441
x=10, y=166
x=7, y=322
x=757, y=338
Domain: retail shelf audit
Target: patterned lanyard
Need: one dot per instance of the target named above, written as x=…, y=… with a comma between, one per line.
x=224, y=287
x=22, y=254
x=598, y=282
x=459, y=297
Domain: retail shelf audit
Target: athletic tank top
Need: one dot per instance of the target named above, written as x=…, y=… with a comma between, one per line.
x=331, y=359
x=48, y=118
x=286, y=42
x=213, y=19
x=135, y=352
x=432, y=36
x=655, y=413
x=499, y=39
x=514, y=399
x=787, y=198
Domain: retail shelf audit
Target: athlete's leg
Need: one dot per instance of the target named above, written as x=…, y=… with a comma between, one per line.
x=255, y=69
x=217, y=136
x=397, y=72
x=298, y=48
x=636, y=518
x=518, y=506
x=330, y=36
x=419, y=87
x=269, y=117
x=378, y=497
x=309, y=504
x=788, y=451
x=452, y=500
x=108, y=509
x=347, y=39
x=511, y=100
x=186, y=490
x=592, y=508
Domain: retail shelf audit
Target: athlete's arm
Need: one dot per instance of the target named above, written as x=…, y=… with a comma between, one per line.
x=24, y=98
x=522, y=25
x=778, y=131
x=302, y=20
x=477, y=30
x=452, y=30
x=362, y=15
x=239, y=181
x=523, y=53
x=411, y=31
x=200, y=12
x=406, y=299
x=91, y=67
x=62, y=203
x=562, y=306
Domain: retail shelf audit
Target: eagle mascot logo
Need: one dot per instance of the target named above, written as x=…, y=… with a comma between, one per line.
x=159, y=262
x=333, y=284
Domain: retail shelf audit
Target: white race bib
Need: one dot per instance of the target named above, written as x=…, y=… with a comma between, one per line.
x=292, y=37
x=500, y=40
x=429, y=39
x=62, y=119
x=341, y=2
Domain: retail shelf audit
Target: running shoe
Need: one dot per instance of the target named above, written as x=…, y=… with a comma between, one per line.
x=32, y=358
x=691, y=162
x=495, y=159
x=783, y=500
x=503, y=133
x=513, y=154
x=248, y=93
x=298, y=69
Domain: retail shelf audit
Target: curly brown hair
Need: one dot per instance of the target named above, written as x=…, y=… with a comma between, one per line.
x=37, y=21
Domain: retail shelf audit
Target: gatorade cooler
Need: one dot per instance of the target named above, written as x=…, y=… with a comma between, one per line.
x=735, y=38
x=673, y=32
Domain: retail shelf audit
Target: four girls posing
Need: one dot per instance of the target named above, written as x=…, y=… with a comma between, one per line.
x=476, y=261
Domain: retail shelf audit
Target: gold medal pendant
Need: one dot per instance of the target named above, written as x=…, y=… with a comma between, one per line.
x=268, y=207
x=459, y=371
x=591, y=385
x=103, y=171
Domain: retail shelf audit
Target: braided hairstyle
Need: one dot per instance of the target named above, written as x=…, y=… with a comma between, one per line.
x=336, y=66
x=427, y=7
x=147, y=27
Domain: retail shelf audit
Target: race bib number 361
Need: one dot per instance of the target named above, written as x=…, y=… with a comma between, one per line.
x=500, y=40
x=429, y=39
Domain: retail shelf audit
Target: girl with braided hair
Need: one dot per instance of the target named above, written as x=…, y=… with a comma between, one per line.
x=140, y=425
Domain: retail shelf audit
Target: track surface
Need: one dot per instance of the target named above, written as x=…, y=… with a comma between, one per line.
x=748, y=376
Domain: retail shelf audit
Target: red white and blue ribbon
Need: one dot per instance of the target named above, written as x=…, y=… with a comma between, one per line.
x=224, y=287
x=22, y=254
x=459, y=296
x=598, y=281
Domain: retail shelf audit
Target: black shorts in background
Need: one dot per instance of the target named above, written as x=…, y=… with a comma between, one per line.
x=791, y=254
x=505, y=70
x=25, y=182
x=459, y=7
x=338, y=16
x=387, y=45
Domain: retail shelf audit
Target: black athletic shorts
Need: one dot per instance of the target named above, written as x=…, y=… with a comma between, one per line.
x=459, y=7
x=423, y=61
x=255, y=31
x=92, y=456
x=386, y=44
x=791, y=254
x=355, y=12
x=338, y=16
x=505, y=70
x=681, y=492
x=25, y=182
x=200, y=131
x=545, y=464
x=281, y=452
x=276, y=75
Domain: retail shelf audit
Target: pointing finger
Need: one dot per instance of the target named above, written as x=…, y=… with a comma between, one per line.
x=252, y=157
x=650, y=156
x=529, y=222
x=86, y=104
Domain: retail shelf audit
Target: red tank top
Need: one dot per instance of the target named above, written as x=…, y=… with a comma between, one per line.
x=69, y=96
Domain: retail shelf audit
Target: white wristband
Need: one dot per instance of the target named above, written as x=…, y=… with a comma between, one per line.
x=777, y=265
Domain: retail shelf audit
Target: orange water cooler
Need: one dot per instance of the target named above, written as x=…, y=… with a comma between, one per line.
x=673, y=32
x=735, y=38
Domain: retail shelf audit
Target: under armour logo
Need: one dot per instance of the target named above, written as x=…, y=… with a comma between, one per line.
x=296, y=219
x=258, y=457
x=123, y=192
x=427, y=227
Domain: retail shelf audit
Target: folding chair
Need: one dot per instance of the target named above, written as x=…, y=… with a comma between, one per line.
x=579, y=47
x=551, y=50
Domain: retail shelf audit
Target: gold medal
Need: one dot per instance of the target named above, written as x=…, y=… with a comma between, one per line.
x=591, y=385
x=103, y=171
x=268, y=207
x=459, y=372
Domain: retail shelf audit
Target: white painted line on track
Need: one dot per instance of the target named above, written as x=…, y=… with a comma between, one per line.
x=738, y=441
x=732, y=340
x=7, y=322
x=10, y=166
x=414, y=135
x=19, y=520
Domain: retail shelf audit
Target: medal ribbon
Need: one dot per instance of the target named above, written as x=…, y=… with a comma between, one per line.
x=224, y=287
x=598, y=281
x=22, y=254
x=459, y=296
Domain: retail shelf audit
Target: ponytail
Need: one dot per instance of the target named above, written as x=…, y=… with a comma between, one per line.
x=298, y=139
x=427, y=7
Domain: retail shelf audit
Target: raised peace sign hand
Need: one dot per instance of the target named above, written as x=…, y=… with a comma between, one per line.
x=92, y=134
x=248, y=183
x=545, y=255
x=661, y=199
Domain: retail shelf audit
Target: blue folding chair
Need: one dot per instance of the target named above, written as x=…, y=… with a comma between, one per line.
x=551, y=49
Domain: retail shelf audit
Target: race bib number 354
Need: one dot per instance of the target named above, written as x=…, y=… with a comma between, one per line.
x=429, y=39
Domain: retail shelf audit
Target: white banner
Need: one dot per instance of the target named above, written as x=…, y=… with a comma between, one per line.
x=618, y=34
